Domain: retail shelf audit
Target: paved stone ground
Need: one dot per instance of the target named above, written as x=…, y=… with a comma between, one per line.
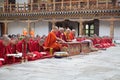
x=101, y=65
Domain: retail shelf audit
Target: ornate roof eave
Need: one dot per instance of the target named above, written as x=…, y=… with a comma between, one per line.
x=62, y=14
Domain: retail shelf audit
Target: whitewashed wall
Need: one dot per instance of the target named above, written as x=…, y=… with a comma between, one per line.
x=41, y=28
x=16, y=27
x=117, y=30
x=104, y=29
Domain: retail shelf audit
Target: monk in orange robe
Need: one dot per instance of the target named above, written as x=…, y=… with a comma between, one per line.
x=32, y=33
x=25, y=32
x=67, y=32
x=51, y=40
x=72, y=34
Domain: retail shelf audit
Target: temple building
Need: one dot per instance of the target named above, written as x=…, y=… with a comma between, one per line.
x=87, y=17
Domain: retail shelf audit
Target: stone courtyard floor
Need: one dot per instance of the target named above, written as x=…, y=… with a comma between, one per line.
x=101, y=65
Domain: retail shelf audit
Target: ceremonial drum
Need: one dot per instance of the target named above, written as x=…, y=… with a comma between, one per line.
x=60, y=54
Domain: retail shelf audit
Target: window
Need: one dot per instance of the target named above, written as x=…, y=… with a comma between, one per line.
x=89, y=29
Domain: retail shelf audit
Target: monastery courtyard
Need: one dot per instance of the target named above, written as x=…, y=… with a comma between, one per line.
x=101, y=65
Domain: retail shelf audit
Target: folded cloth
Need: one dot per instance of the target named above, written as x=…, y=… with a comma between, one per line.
x=11, y=54
x=18, y=55
x=1, y=59
x=15, y=55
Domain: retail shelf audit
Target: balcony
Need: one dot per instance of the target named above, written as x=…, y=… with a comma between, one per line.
x=76, y=8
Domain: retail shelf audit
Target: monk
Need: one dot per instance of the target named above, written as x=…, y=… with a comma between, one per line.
x=25, y=32
x=51, y=40
x=58, y=33
x=67, y=32
x=32, y=33
x=72, y=34
x=5, y=47
x=62, y=35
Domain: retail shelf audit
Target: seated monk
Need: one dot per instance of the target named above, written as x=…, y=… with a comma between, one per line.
x=72, y=34
x=67, y=32
x=5, y=47
x=25, y=32
x=51, y=40
x=41, y=44
x=32, y=33
x=63, y=36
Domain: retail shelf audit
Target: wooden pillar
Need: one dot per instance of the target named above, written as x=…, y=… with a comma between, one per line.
x=62, y=4
x=24, y=6
x=53, y=23
x=87, y=3
x=29, y=1
x=81, y=27
x=70, y=5
x=10, y=7
x=97, y=3
x=28, y=27
x=112, y=28
x=3, y=7
x=46, y=6
x=106, y=3
x=79, y=4
x=31, y=6
x=6, y=27
x=53, y=5
x=38, y=6
x=17, y=5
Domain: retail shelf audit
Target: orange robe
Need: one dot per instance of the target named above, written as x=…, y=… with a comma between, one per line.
x=71, y=36
x=50, y=41
x=32, y=33
x=25, y=32
x=67, y=36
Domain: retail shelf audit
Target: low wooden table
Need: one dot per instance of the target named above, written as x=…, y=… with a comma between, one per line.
x=85, y=47
x=73, y=48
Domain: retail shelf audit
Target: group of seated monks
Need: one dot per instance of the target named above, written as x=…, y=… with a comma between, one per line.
x=98, y=42
x=33, y=48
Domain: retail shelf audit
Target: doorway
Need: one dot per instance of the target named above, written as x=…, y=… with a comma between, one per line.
x=91, y=27
x=2, y=28
x=66, y=24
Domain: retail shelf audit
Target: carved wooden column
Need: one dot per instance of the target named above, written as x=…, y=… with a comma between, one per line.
x=53, y=23
x=31, y=6
x=29, y=1
x=70, y=6
x=10, y=7
x=53, y=5
x=62, y=4
x=28, y=27
x=81, y=27
x=97, y=3
x=17, y=6
x=111, y=28
x=88, y=3
x=24, y=6
x=3, y=7
x=6, y=27
x=106, y=3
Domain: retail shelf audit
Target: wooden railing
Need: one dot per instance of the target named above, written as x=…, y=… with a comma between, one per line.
x=57, y=6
